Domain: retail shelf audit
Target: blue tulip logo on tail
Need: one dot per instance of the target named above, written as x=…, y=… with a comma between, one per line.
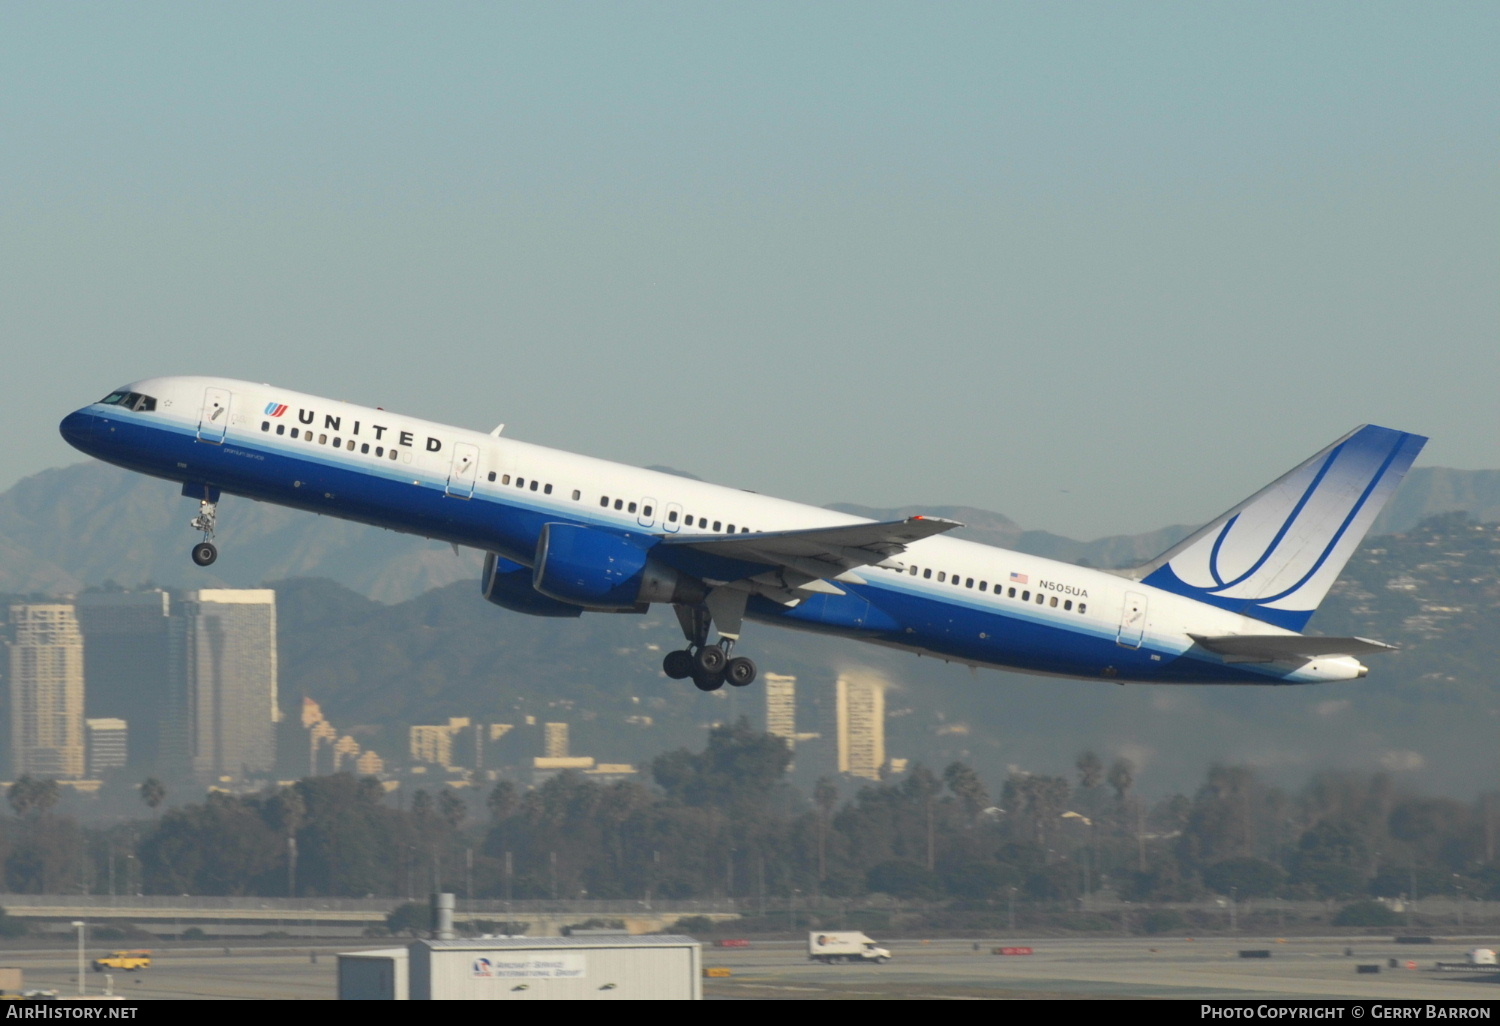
x=1275, y=555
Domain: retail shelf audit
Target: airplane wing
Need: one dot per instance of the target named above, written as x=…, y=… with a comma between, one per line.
x=813, y=555
x=1267, y=647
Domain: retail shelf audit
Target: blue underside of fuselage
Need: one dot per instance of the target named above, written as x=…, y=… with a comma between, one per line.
x=395, y=497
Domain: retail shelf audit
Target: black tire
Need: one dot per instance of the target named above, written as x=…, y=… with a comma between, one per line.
x=204, y=553
x=678, y=665
x=710, y=660
x=707, y=681
x=739, y=671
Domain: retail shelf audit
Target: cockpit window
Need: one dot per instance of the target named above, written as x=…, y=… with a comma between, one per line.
x=131, y=401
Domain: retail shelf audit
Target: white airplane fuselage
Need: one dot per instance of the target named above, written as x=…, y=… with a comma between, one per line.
x=944, y=597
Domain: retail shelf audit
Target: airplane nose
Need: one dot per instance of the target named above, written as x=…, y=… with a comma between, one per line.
x=77, y=429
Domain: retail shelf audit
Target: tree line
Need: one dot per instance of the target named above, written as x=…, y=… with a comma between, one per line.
x=725, y=822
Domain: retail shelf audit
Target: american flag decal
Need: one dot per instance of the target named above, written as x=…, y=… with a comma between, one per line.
x=275, y=409
x=1019, y=579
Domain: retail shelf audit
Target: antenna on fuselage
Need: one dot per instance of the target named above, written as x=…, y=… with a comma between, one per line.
x=498, y=428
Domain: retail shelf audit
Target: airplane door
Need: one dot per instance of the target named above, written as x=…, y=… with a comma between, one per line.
x=464, y=470
x=673, y=523
x=647, y=516
x=1132, y=620
x=213, y=421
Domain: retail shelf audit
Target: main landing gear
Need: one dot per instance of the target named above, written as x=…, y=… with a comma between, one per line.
x=711, y=666
x=205, y=551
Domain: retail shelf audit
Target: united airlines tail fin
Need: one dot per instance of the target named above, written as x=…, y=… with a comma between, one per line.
x=1275, y=555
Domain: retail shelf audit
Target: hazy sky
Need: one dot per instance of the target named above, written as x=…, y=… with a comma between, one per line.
x=1101, y=267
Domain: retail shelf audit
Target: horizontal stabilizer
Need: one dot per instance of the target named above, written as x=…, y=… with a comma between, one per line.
x=1271, y=647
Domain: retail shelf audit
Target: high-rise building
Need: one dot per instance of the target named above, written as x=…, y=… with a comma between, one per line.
x=556, y=744
x=433, y=743
x=781, y=706
x=222, y=706
x=108, y=744
x=46, y=691
x=861, y=727
x=125, y=664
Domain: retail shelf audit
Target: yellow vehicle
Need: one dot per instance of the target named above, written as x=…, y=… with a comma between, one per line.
x=123, y=960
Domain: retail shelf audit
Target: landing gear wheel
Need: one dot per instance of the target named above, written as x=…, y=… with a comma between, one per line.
x=204, y=553
x=739, y=671
x=707, y=681
x=710, y=660
x=678, y=665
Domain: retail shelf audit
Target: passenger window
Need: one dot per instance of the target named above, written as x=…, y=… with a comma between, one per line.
x=392, y=453
x=380, y=450
x=265, y=425
x=619, y=504
x=1025, y=596
x=337, y=443
x=1011, y=593
x=350, y=445
x=322, y=439
x=647, y=511
x=1039, y=598
x=968, y=582
x=942, y=576
x=281, y=429
x=672, y=515
x=744, y=530
x=983, y=586
x=718, y=526
x=927, y=574
x=1068, y=604
x=913, y=570
x=505, y=479
x=630, y=508
x=577, y=495
x=547, y=490
x=492, y=475
x=520, y=482
x=1083, y=607
x=1053, y=603
x=533, y=484
x=729, y=529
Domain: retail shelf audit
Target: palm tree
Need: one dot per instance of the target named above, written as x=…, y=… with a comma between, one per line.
x=153, y=793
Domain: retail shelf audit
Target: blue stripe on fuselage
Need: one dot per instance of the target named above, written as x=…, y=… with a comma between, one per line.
x=396, y=496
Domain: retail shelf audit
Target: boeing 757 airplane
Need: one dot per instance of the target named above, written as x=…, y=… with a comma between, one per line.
x=567, y=534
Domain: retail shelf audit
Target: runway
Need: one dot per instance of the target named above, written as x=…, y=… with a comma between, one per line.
x=1108, y=968
x=1304, y=968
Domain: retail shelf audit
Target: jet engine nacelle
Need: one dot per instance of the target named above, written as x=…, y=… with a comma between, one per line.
x=508, y=584
x=606, y=570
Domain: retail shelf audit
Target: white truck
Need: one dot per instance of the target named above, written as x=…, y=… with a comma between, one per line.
x=844, y=946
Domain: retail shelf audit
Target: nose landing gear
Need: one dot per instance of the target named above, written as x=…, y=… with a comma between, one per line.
x=205, y=552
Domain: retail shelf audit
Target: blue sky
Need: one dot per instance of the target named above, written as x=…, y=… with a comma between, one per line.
x=1100, y=267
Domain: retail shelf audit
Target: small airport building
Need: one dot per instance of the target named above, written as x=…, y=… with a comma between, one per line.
x=586, y=968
